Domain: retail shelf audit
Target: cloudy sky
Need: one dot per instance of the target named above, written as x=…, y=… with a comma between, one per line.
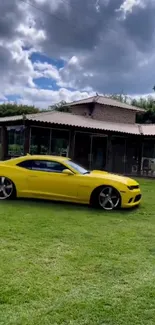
x=53, y=50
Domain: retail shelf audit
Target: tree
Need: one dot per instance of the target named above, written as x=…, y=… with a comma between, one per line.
x=120, y=97
x=148, y=104
x=9, y=109
x=60, y=107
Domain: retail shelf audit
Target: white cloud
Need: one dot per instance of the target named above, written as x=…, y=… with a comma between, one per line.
x=2, y=98
x=47, y=70
x=43, y=98
x=128, y=5
x=101, y=53
x=97, y=5
x=73, y=61
x=31, y=33
x=53, y=5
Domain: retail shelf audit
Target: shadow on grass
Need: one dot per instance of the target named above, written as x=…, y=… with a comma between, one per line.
x=66, y=205
x=44, y=203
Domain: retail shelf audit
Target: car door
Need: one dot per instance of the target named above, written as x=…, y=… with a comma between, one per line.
x=46, y=180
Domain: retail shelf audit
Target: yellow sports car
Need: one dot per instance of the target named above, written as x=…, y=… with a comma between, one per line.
x=59, y=178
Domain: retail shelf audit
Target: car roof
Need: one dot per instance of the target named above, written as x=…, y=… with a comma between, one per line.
x=15, y=161
x=44, y=157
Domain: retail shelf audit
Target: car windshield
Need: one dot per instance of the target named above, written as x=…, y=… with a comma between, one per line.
x=76, y=167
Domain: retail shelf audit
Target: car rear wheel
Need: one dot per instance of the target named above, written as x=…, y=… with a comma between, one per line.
x=7, y=188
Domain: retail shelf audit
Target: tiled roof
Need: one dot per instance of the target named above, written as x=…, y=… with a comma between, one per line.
x=68, y=119
x=85, y=122
x=79, y=121
x=11, y=118
x=103, y=100
x=148, y=129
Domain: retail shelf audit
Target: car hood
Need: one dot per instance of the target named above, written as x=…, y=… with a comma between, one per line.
x=113, y=177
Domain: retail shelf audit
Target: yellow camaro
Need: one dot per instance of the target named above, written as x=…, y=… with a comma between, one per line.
x=59, y=178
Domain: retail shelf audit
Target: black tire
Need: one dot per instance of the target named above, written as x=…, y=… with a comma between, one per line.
x=95, y=202
x=14, y=193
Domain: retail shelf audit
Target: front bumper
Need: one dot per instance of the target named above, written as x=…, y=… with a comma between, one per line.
x=131, y=199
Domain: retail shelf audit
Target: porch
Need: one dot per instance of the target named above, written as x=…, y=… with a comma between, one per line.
x=94, y=149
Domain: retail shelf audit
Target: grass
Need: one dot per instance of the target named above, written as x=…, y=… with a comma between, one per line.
x=70, y=265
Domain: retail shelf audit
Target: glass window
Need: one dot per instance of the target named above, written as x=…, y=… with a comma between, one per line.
x=82, y=149
x=76, y=167
x=149, y=149
x=132, y=154
x=27, y=164
x=43, y=165
x=15, y=141
x=47, y=166
x=148, y=159
x=40, y=141
x=118, y=156
x=60, y=143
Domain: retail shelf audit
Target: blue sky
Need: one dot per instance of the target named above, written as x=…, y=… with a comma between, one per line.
x=42, y=82
x=59, y=63
x=46, y=83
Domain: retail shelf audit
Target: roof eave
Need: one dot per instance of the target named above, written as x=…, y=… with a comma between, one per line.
x=82, y=127
x=132, y=108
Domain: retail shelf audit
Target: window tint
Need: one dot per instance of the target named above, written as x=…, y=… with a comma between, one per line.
x=26, y=164
x=47, y=166
x=43, y=165
x=77, y=167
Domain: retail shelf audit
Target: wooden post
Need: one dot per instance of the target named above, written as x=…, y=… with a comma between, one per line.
x=71, y=144
x=4, y=143
x=109, y=154
x=26, y=140
x=140, y=154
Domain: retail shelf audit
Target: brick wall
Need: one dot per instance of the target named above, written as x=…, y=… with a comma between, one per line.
x=114, y=114
x=107, y=113
x=80, y=110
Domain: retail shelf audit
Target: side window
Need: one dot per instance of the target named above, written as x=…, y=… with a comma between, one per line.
x=27, y=164
x=47, y=166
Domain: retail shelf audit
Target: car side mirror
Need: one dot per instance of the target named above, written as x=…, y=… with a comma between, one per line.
x=67, y=172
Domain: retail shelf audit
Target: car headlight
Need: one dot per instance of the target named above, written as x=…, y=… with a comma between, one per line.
x=133, y=187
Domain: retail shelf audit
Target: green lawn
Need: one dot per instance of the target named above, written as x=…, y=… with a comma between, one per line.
x=70, y=265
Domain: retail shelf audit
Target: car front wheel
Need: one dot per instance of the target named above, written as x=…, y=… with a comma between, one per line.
x=7, y=188
x=108, y=198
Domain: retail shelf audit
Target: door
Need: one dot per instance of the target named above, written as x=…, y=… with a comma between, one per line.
x=45, y=179
x=98, y=152
x=132, y=154
x=118, y=155
x=82, y=149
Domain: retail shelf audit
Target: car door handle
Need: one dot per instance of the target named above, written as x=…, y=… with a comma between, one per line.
x=33, y=176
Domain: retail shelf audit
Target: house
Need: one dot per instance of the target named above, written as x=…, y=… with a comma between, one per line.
x=99, y=132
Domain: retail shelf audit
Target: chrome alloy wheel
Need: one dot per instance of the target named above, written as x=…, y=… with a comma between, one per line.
x=109, y=198
x=6, y=188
